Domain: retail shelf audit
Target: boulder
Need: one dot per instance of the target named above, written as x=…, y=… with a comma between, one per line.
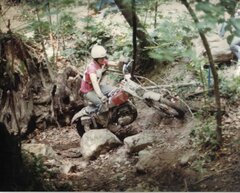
x=154, y=160
x=68, y=168
x=139, y=141
x=219, y=47
x=97, y=141
x=40, y=149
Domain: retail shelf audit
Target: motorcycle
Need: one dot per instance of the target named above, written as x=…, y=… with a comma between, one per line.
x=120, y=109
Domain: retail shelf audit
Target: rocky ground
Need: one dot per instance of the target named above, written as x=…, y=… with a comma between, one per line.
x=122, y=169
x=171, y=162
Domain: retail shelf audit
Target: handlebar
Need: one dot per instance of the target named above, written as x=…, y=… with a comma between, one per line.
x=127, y=68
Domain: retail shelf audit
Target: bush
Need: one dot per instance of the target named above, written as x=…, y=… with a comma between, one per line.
x=34, y=175
x=204, y=134
x=230, y=88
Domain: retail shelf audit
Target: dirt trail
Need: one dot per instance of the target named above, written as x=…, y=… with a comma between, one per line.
x=116, y=170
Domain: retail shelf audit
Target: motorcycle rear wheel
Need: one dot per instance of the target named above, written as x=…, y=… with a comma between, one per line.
x=167, y=107
x=80, y=128
x=127, y=109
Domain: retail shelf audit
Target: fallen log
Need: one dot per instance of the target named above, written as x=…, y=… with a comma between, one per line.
x=173, y=85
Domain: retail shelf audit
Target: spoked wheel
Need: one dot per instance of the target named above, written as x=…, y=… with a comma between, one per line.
x=124, y=114
x=167, y=107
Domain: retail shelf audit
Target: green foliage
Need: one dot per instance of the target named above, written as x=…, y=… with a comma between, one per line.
x=230, y=88
x=97, y=32
x=198, y=165
x=68, y=52
x=35, y=175
x=43, y=3
x=213, y=13
x=203, y=137
x=229, y=5
x=122, y=45
x=202, y=160
x=66, y=24
x=196, y=66
x=204, y=134
x=40, y=28
x=173, y=39
x=93, y=33
x=64, y=3
x=53, y=22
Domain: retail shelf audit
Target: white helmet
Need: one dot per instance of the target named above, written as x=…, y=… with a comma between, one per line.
x=98, y=52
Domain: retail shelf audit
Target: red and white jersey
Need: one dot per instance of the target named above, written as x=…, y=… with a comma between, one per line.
x=86, y=84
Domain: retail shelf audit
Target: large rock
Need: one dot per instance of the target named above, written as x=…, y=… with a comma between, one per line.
x=219, y=47
x=40, y=150
x=140, y=141
x=68, y=168
x=98, y=141
x=154, y=160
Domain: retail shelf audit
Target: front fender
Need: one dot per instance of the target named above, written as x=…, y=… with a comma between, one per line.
x=152, y=95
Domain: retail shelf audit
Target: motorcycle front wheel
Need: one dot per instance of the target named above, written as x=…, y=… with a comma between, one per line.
x=167, y=107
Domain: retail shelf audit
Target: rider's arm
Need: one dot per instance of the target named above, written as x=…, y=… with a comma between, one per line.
x=95, y=84
x=113, y=64
x=118, y=64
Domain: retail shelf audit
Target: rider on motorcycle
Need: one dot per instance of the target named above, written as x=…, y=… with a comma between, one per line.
x=90, y=86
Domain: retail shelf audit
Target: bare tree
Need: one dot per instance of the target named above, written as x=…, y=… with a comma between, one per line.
x=214, y=72
x=128, y=11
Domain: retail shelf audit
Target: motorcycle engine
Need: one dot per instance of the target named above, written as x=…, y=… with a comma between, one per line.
x=124, y=120
x=125, y=114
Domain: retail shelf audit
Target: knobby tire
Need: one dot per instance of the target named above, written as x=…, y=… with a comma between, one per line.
x=172, y=109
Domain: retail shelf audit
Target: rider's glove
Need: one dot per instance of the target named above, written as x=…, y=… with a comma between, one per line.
x=123, y=60
x=104, y=99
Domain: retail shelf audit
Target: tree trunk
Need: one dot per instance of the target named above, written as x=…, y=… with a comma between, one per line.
x=44, y=50
x=134, y=38
x=127, y=12
x=144, y=62
x=214, y=72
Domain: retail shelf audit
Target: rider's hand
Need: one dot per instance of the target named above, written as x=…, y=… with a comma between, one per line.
x=104, y=99
x=123, y=60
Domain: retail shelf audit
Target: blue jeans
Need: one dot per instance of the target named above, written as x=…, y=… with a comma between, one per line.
x=93, y=97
